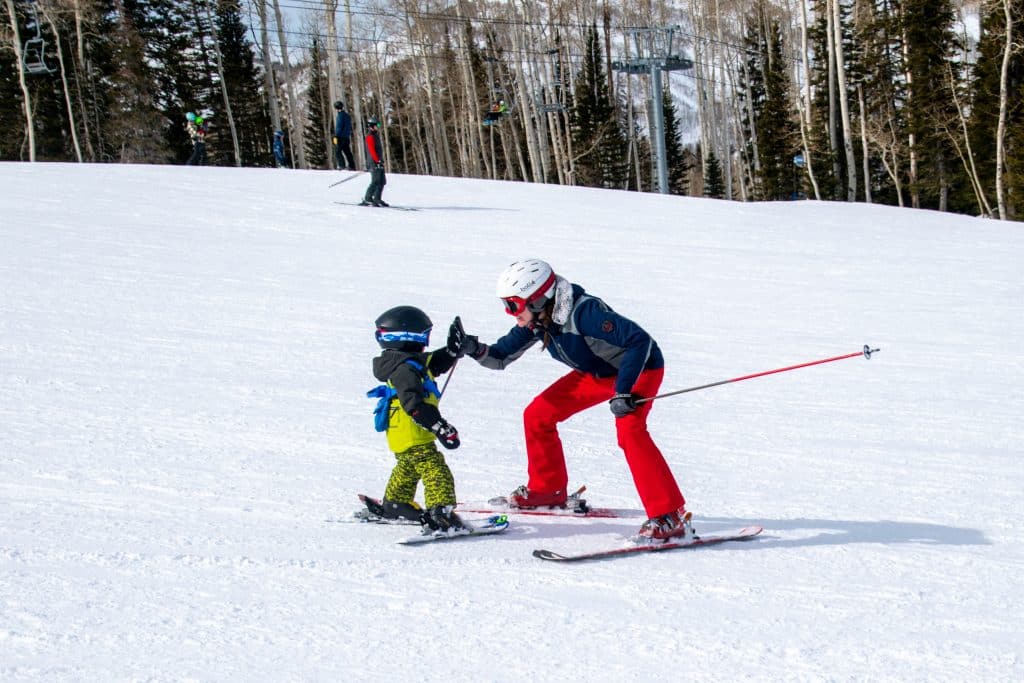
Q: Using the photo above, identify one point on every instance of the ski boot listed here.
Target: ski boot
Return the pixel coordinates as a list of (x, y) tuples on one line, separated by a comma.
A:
[(441, 520), (675, 526), (526, 499)]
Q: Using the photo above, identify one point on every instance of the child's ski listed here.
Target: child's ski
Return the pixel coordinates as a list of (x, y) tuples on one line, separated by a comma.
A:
[(741, 535), (374, 513), (492, 525)]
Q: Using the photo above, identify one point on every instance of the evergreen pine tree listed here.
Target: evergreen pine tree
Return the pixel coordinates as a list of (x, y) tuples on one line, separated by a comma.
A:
[(931, 44), (714, 184), (765, 81), (677, 161), (877, 70), (244, 86), (598, 140), (985, 106), (169, 32), (825, 137), (319, 117)]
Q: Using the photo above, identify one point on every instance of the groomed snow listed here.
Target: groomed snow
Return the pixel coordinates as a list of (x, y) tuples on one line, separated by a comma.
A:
[(183, 359)]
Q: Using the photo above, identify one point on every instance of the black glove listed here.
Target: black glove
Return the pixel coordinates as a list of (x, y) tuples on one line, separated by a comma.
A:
[(456, 338), (446, 433), (459, 343), (623, 404)]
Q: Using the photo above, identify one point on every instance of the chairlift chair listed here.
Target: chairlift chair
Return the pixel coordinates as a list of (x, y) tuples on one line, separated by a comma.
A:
[(34, 51), (33, 57), (544, 107)]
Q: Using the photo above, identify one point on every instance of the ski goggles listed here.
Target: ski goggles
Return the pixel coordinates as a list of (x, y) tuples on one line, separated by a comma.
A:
[(514, 305), (402, 336)]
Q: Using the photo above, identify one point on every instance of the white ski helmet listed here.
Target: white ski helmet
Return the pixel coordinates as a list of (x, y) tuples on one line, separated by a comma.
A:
[(526, 284)]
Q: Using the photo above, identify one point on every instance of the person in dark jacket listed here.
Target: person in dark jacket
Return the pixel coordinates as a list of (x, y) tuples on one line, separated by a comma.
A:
[(343, 158), (407, 410), (612, 359), (374, 164), (279, 157)]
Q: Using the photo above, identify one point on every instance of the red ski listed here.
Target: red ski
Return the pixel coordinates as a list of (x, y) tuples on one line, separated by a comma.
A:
[(741, 535)]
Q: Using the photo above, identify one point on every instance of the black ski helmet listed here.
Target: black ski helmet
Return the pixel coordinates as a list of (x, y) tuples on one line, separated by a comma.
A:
[(372, 122), (339, 105), (405, 328)]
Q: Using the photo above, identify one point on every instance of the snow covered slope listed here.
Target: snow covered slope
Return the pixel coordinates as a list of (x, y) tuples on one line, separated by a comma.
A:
[(183, 359)]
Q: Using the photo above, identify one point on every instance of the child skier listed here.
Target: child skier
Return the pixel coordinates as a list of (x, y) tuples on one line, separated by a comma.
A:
[(408, 412), (197, 129)]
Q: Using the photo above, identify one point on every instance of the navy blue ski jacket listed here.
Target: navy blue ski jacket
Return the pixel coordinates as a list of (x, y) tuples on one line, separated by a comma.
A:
[(343, 126), (595, 340)]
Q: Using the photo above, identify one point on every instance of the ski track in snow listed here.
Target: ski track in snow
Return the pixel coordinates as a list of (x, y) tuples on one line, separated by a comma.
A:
[(183, 360)]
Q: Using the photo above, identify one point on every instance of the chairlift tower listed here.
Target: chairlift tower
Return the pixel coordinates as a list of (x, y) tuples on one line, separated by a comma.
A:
[(655, 53)]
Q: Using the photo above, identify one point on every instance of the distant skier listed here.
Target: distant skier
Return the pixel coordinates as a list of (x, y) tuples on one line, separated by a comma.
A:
[(279, 157), (343, 158), (408, 411), (375, 164), (612, 359), (197, 128)]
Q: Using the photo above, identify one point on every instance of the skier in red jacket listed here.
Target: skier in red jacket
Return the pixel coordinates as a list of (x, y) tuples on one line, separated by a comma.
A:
[(375, 165)]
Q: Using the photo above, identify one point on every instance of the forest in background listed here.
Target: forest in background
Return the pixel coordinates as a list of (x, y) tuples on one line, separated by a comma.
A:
[(904, 102)]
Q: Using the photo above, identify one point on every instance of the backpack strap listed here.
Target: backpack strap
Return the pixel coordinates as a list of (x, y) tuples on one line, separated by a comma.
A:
[(385, 392)]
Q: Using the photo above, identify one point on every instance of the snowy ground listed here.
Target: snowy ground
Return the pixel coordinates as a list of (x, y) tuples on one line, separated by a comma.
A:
[(183, 359)]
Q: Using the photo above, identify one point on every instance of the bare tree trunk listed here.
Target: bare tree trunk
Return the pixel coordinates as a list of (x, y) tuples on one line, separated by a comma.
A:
[(915, 192), (331, 49), (26, 100), (223, 85), (833, 128), (473, 157), (844, 105), (864, 144), (268, 66), (967, 159), (803, 99), (355, 90), (81, 73), (1004, 97), (755, 162), (64, 82), (726, 155), (296, 132)]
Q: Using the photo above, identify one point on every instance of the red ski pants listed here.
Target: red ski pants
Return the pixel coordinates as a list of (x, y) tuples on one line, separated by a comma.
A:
[(578, 391)]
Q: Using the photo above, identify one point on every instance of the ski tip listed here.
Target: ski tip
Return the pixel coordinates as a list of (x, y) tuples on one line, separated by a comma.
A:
[(495, 521), (548, 555)]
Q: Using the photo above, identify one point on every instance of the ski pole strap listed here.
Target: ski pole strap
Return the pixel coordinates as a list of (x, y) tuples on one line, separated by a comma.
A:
[(866, 352)]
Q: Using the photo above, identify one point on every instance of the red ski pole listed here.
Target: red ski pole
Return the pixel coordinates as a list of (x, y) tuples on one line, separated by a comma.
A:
[(866, 352)]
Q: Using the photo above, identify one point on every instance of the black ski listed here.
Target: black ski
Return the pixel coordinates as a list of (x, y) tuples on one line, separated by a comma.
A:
[(371, 206)]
